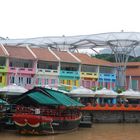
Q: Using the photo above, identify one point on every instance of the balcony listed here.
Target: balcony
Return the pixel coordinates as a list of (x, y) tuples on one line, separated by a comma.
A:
[(47, 72), (107, 77), (21, 70), (3, 69), (69, 73), (89, 75)]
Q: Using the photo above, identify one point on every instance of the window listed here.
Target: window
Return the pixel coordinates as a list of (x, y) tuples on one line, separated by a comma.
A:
[(0, 79), (28, 80), (26, 65), (75, 82), (68, 82), (12, 79), (46, 81), (39, 81), (10, 64), (53, 81), (20, 80)]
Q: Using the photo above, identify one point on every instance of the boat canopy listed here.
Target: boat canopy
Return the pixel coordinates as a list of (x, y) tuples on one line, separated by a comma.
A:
[(42, 99), (62, 98), (2, 102), (44, 96)]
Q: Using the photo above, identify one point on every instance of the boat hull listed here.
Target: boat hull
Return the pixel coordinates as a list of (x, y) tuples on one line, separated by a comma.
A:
[(33, 124)]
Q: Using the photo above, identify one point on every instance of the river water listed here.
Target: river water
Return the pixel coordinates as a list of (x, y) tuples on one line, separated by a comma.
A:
[(97, 132)]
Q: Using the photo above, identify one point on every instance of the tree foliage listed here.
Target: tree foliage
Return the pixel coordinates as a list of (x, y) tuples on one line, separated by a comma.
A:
[(111, 57)]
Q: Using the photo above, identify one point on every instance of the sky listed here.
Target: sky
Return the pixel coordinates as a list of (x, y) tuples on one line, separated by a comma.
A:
[(37, 18)]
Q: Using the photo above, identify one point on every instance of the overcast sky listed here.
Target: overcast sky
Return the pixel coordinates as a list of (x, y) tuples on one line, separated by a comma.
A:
[(34, 18)]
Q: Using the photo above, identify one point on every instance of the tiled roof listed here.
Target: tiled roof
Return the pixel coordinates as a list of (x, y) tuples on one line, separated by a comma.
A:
[(129, 64), (87, 60), (19, 52), (133, 72), (65, 57), (44, 54), (133, 64), (2, 52)]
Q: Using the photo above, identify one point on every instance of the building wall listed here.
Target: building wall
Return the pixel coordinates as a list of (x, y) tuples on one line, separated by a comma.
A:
[(25, 80), (116, 116), (135, 82), (2, 79), (44, 80), (69, 82)]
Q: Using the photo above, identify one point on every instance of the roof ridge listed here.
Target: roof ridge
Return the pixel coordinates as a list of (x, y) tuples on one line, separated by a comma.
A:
[(29, 49), (53, 53), (4, 50), (74, 56)]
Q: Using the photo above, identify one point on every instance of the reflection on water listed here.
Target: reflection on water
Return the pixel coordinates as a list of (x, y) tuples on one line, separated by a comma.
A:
[(97, 132)]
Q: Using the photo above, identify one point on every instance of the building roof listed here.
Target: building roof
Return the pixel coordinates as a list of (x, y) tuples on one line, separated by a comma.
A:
[(66, 57), (82, 41), (133, 72), (133, 69), (2, 52), (19, 52), (133, 63), (87, 60), (43, 54)]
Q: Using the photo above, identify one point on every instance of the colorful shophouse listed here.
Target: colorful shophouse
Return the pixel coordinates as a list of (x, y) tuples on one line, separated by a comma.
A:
[(89, 71), (107, 73), (47, 68), (3, 65), (69, 69), (133, 70), (21, 66)]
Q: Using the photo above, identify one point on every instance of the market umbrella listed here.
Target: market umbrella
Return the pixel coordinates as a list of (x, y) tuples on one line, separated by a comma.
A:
[(82, 92), (106, 93), (130, 94), (13, 90)]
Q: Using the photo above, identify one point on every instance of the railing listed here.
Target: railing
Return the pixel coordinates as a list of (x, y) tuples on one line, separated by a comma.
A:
[(111, 107), (69, 73), (3, 68), (89, 74), (21, 70), (105, 75), (55, 113), (47, 71)]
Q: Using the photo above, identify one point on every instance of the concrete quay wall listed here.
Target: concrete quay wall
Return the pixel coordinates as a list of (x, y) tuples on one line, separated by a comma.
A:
[(115, 116)]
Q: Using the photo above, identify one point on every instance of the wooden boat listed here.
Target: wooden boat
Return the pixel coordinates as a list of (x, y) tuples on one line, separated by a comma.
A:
[(46, 111)]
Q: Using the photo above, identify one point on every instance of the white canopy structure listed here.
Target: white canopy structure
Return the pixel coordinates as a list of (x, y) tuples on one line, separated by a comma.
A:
[(13, 90), (130, 94), (106, 93), (80, 41), (121, 44), (81, 92)]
